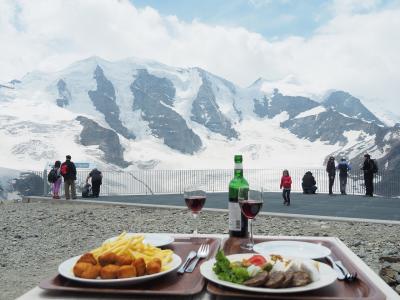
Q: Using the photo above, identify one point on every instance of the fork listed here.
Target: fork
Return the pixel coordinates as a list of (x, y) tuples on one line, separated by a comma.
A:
[(347, 275), (203, 251)]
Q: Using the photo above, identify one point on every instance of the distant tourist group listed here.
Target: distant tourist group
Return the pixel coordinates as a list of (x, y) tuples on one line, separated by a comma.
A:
[(67, 171), (308, 184)]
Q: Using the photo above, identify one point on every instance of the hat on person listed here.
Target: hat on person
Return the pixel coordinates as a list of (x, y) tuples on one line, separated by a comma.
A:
[(367, 155), (342, 159), (68, 157), (331, 158)]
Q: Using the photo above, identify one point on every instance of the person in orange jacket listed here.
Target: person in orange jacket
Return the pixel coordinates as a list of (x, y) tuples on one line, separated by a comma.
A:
[(286, 184)]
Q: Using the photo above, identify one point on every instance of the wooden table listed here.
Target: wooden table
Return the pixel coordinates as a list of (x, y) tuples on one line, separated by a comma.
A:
[(37, 293)]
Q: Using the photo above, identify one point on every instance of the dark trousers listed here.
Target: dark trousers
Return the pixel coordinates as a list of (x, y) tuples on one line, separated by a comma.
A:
[(369, 184), (343, 183), (286, 195), (309, 189), (96, 188), (331, 181)]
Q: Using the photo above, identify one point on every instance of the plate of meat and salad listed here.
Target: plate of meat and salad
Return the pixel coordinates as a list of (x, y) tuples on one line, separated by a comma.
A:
[(267, 274)]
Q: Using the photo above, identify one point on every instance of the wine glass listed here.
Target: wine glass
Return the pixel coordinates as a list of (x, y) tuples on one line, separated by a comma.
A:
[(251, 202), (195, 197)]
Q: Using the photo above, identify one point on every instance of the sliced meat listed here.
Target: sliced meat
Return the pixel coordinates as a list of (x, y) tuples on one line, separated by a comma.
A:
[(300, 278), (288, 279), (257, 280), (275, 280)]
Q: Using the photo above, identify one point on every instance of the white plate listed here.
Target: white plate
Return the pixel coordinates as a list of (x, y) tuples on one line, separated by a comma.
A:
[(292, 249), (327, 277), (65, 269), (155, 239)]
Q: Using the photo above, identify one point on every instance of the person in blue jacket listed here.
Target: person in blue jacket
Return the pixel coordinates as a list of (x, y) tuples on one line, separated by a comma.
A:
[(343, 167)]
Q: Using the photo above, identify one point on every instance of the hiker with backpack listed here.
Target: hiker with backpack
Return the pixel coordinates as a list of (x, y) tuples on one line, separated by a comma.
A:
[(96, 180), (54, 177), (344, 168), (68, 171), (369, 167)]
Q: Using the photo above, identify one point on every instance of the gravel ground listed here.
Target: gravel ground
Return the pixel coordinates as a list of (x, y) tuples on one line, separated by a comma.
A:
[(37, 237)]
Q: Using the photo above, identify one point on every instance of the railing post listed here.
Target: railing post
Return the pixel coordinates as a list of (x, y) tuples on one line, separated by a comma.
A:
[(45, 191)]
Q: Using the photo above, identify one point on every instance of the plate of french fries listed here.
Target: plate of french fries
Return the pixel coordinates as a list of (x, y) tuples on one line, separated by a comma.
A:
[(125, 259)]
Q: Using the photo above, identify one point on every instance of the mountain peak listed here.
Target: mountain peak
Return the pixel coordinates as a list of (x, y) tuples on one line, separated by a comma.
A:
[(343, 102)]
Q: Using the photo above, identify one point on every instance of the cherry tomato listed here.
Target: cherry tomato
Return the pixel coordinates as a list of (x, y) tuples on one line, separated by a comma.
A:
[(257, 260)]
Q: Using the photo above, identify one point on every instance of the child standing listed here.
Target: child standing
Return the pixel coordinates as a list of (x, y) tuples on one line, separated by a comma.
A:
[(57, 183), (286, 184)]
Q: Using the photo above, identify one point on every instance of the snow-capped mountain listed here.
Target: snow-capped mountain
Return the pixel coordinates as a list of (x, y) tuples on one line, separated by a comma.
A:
[(142, 114)]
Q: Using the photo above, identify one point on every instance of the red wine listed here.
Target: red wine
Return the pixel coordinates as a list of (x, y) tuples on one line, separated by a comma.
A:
[(195, 203), (250, 208)]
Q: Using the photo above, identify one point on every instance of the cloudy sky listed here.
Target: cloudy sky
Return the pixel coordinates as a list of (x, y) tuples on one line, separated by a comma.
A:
[(352, 45)]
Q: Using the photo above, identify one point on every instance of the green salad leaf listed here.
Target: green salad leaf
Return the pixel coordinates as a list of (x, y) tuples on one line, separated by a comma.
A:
[(229, 272)]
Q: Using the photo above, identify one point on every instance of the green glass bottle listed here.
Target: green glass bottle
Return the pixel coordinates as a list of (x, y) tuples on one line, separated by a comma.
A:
[(237, 221)]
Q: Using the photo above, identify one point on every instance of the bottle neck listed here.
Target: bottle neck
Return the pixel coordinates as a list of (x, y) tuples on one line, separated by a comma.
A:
[(238, 170)]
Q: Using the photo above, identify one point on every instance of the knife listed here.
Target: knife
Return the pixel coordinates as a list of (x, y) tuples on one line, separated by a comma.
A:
[(192, 254), (339, 273)]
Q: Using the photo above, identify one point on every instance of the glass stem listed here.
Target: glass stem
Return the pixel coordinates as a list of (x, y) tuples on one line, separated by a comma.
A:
[(251, 233), (195, 223)]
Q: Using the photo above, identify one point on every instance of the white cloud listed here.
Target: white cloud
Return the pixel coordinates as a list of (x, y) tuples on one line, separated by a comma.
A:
[(354, 52), (354, 6)]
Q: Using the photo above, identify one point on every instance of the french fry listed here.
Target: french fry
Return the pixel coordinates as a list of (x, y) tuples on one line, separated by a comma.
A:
[(133, 246)]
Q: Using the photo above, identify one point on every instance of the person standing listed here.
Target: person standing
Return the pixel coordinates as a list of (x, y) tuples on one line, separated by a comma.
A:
[(68, 171), (331, 169), (343, 168), (286, 184), (57, 183), (96, 180), (369, 167)]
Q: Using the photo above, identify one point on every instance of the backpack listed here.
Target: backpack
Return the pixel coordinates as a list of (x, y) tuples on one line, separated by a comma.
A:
[(52, 176), (343, 168), (64, 169), (374, 166), (96, 175)]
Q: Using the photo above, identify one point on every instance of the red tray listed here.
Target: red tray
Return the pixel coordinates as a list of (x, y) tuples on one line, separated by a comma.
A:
[(171, 284), (363, 288)]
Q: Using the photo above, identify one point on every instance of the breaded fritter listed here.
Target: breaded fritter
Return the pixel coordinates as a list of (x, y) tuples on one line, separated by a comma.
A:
[(123, 260), (140, 266), (108, 258), (109, 272), (89, 258), (153, 266), (86, 270), (126, 271)]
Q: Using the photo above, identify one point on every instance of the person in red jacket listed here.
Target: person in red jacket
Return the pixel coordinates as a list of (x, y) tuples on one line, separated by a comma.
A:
[(286, 184)]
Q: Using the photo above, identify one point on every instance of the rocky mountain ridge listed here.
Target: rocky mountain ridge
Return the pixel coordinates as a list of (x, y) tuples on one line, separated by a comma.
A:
[(135, 106)]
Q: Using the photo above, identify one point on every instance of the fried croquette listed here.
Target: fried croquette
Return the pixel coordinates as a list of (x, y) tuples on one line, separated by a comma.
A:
[(86, 270), (157, 260), (126, 271), (123, 260), (108, 258), (153, 266), (89, 258), (140, 266), (109, 272)]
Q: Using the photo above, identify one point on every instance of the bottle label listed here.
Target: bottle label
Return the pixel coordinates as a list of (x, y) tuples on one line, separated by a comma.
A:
[(235, 217), (238, 166)]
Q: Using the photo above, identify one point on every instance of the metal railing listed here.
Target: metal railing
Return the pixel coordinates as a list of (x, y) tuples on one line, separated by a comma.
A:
[(173, 181)]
